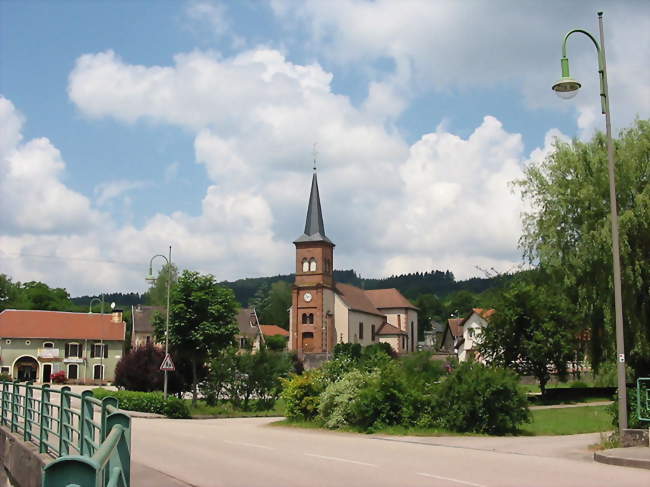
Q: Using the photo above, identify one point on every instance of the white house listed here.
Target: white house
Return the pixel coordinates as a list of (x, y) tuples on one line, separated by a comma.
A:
[(472, 328)]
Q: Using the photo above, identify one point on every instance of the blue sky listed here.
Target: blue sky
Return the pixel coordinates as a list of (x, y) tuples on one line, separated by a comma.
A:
[(132, 125)]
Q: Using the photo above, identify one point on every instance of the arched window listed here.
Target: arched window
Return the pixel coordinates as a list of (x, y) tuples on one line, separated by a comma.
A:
[(305, 265), (98, 372), (311, 318), (305, 318), (312, 264)]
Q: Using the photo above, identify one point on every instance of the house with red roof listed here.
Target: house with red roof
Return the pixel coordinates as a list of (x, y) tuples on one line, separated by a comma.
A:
[(36, 344), (472, 328), (324, 312)]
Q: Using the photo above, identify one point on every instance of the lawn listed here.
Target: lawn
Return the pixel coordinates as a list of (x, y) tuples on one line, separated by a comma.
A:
[(226, 410), (568, 421)]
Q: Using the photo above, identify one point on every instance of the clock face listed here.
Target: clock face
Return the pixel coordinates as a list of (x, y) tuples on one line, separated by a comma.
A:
[(307, 297)]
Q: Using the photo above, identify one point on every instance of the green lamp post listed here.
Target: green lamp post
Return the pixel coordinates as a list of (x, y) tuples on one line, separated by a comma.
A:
[(152, 278), (567, 87)]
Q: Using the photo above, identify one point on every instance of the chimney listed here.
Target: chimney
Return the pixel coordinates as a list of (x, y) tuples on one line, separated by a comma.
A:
[(116, 316)]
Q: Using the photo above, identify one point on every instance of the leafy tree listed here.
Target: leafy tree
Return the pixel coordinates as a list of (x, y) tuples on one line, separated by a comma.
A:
[(139, 370), (276, 343), (460, 303), (8, 292), (568, 233), (431, 308), (157, 294), (531, 331), (202, 320)]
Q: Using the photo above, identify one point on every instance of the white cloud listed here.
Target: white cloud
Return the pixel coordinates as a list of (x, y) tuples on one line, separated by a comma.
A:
[(110, 190)]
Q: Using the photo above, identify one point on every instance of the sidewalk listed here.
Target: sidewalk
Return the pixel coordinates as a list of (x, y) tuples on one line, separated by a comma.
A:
[(638, 456), (574, 405)]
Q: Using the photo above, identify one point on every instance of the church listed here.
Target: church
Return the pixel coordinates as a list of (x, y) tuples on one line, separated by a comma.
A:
[(324, 313)]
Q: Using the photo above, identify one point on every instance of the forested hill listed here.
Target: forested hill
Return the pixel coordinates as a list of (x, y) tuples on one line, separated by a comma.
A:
[(411, 285), (122, 299)]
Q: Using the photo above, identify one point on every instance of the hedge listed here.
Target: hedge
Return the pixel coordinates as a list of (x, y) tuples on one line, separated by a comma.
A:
[(146, 402)]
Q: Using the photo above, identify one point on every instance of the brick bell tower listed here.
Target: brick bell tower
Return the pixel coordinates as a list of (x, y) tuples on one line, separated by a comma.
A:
[(312, 310)]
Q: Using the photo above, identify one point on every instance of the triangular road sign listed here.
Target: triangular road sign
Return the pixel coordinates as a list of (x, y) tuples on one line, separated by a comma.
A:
[(167, 364)]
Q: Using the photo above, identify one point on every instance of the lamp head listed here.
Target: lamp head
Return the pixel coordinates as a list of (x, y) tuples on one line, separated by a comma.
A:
[(566, 87)]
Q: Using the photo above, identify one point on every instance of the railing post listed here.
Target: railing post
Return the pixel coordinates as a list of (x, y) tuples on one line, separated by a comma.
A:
[(5, 394), (29, 414), (85, 424), (15, 405), (45, 414), (74, 471), (123, 458), (106, 401), (65, 422)]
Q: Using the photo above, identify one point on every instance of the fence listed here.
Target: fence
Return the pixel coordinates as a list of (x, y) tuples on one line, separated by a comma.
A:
[(89, 441), (643, 398)]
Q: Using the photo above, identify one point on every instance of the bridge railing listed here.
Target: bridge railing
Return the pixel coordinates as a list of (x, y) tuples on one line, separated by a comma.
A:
[(643, 398), (89, 439)]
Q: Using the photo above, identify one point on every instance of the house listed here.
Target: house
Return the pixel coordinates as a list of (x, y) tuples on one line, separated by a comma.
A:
[(142, 332), (248, 336), (36, 344), (324, 312), (433, 337), (452, 335), (274, 330), (472, 327)]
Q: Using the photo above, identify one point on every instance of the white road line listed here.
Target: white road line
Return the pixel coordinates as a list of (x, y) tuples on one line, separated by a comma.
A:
[(341, 460), (465, 482), (252, 445)]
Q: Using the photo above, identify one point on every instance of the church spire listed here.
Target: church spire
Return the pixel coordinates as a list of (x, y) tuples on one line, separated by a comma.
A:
[(314, 227)]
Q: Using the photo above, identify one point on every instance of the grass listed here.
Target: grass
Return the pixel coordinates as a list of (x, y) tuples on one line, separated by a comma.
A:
[(568, 421), (225, 409)]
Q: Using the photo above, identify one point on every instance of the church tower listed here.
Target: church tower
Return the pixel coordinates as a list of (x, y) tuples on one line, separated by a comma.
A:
[(312, 309)]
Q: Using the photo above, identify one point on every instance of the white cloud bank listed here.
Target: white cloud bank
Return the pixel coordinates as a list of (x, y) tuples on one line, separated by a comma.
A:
[(442, 203)]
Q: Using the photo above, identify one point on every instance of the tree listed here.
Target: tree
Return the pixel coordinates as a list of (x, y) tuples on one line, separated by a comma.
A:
[(531, 331), (202, 320), (139, 370), (157, 294), (431, 308), (461, 303), (568, 234)]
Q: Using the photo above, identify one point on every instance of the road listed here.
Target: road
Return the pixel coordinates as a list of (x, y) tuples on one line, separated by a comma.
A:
[(248, 452)]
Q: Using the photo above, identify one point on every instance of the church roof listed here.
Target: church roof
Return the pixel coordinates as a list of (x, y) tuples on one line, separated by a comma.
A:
[(314, 226), (388, 298), (356, 299), (388, 329)]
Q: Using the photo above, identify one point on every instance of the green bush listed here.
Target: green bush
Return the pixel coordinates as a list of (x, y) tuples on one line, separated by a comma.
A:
[(633, 420), (351, 350), (146, 402), (579, 384), (5, 378), (480, 399), (336, 408), (277, 343), (301, 395), (421, 370)]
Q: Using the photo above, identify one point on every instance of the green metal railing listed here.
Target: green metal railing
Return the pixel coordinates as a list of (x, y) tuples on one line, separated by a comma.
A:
[(89, 439), (643, 398)]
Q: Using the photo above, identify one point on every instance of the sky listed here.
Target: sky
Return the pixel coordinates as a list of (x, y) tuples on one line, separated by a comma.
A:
[(130, 126)]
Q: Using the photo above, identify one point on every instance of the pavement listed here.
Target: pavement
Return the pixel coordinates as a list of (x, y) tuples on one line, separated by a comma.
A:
[(638, 457), (577, 405), (250, 452)]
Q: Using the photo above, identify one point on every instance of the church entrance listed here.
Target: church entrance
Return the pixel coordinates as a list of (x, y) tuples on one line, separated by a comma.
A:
[(308, 341), (26, 369)]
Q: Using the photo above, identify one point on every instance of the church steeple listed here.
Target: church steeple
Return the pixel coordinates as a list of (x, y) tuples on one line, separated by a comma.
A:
[(314, 227)]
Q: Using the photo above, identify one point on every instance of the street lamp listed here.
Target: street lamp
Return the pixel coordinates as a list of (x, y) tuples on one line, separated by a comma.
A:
[(567, 87), (90, 306), (152, 278)]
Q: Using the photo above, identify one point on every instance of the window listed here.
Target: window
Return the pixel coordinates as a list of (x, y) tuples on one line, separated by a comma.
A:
[(305, 318), (72, 350), (311, 318), (73, 371), (243, 342), (305, 265), (372, 332), (360, 331), (99, 350), (470, 332), (98, 372), (312, 265), (4, 370), (48, 345)]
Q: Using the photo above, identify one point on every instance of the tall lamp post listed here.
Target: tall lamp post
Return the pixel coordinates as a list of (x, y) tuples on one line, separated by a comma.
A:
[(152, 278), (566, 88)]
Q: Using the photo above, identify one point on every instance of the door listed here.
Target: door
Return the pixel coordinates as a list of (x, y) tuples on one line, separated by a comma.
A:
[(47, 372), (307, 341)]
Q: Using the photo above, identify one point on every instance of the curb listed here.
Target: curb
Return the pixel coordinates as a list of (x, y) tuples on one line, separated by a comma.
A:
[(621, 461)]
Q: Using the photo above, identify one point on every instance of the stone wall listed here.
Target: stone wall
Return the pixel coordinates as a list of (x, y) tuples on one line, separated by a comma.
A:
[(22, 465)]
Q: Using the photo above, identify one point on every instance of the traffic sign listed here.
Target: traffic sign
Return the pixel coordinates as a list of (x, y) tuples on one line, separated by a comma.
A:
[(167, 364)]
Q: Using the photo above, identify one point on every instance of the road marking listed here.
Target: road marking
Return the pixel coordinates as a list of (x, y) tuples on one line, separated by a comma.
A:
[(341, 460), (252, 445), (465, 482)]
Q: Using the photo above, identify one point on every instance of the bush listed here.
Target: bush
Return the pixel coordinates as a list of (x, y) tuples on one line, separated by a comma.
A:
[(350, 350), (58, 377), (147, 402), (579, 384), (5, 378), (277, 343), (480, 399), (301, 395), (421, 370), (336, 408), (633, 420), (139, 370)]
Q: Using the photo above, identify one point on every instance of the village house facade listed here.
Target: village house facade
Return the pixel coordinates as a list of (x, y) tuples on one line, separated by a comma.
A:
[(36, 344), (142, 332), (324, 313)]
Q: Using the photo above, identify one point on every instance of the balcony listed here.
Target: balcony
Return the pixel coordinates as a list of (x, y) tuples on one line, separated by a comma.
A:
[(48, 353)]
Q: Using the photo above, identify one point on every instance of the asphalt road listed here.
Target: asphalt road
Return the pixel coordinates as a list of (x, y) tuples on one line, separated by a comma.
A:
[(249, 453)]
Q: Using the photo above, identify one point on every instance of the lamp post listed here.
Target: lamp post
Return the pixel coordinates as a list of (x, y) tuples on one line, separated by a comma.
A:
[(151, 278), (566, 88), (90, 306)]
